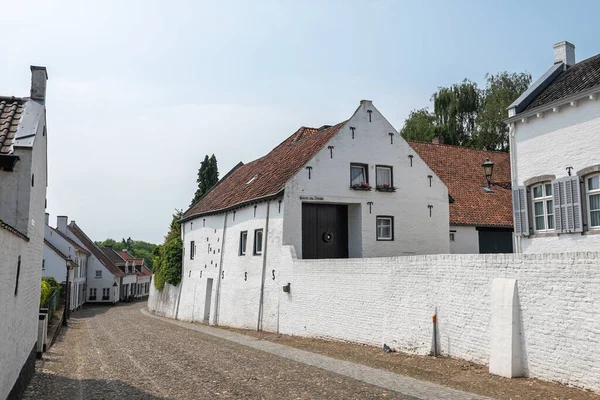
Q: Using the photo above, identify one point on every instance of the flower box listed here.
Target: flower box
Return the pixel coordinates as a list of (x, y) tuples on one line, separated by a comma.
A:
[(362, 186), (385, 188)]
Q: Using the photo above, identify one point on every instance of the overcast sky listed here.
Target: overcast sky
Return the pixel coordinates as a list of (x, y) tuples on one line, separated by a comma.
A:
[(140, 91)]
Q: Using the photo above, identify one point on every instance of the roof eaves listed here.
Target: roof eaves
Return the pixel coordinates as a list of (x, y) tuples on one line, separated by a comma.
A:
[(234, 206), (551, 105), (12, 230), (536, 88)]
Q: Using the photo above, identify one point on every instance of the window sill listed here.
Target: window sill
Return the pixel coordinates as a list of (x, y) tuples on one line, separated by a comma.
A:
[(92, 298), (106, 298), (364, 189), (388, 189)]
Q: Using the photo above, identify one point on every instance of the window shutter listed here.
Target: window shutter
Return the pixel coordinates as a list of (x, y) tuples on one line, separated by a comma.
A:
[(520, 211), (558, 189), (570, 204)]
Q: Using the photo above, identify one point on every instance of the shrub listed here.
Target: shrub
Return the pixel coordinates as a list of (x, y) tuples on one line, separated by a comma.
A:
[(52, 282), (45, 293)]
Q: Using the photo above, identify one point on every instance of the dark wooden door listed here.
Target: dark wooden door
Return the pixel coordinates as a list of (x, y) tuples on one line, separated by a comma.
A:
[(324, 231), (495, 240)]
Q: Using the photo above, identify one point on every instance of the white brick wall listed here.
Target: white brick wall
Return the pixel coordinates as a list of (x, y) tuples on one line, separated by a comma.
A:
[(547, 146), (391, 300)]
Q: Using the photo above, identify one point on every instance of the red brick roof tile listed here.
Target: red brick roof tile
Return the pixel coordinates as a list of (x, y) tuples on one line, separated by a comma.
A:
[(265, 176), (79, 234), (460, 170)]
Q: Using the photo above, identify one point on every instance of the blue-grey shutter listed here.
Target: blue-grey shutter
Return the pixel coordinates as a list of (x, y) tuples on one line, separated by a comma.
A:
[(558, 195), (570, 204), (520, 211)]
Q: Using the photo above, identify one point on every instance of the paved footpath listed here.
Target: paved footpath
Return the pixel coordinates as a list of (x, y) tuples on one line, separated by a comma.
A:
[(124, 352)]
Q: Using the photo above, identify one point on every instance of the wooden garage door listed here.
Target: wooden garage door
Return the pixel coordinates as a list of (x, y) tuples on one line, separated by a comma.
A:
[(324, 231)]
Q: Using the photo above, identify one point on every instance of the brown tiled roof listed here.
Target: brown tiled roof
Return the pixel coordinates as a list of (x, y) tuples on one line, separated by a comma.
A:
[(113, 256), (460, 170), (577, 78), (11, 109), (60, 253), (126, 256), (87, 242), (145, 272), (265, 176), (72, 242)]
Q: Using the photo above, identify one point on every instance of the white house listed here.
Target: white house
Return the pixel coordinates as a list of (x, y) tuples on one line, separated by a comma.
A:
[(481, 218), (60, 251), (555, 157), (23, 179), (351, 190), (142, 285), (103, 277)]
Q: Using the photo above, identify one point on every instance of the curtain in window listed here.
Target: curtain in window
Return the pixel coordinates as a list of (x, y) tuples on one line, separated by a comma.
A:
[(384, 228), (384, 176), (357, 175)]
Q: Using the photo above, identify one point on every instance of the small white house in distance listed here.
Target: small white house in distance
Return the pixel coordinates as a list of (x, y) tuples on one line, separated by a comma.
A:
[(555, 155), (103, 277), (351, 190), (60, 251)]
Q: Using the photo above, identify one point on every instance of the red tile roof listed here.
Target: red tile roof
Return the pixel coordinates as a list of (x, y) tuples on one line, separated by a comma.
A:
[(72, 242), (79, 234), (113, 256), (126, 256), (266, 176), (460, 170)]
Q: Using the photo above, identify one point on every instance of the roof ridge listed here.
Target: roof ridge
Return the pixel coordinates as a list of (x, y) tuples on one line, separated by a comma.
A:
[(457, 146)]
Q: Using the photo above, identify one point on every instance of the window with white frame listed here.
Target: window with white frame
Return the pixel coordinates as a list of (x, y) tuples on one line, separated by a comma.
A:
[(384, 176), (358, 175), (93, 294), (98, 273), (258, 242), (452, 236), (385, 228), (543, 207), (192, 249), (593, 200), (243, 242), (106, 294)]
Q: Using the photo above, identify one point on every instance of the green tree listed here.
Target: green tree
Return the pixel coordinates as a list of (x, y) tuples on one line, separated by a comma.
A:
[(208, 176), (168, 256), (420, 125), (455, 109), (137, 248), (501, 90)]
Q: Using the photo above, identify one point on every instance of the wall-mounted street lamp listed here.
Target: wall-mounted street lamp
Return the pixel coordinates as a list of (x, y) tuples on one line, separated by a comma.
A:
[(488, 170)]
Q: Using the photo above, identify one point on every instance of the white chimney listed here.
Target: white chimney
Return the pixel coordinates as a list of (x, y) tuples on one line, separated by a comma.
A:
[(564, 52), (61, 223), (39, 76), (47, 219)]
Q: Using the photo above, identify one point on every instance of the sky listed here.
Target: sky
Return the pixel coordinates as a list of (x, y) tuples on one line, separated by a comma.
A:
[(139, 90)]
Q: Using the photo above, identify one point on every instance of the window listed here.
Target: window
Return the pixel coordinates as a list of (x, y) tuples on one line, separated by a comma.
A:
[(192, 249), (384, 176), (93, 294), (452, 236), (593, 199), (106, 294), (385, 228), (243, 241), (543, 207), (358, 174), (258, 245), (98, 273)]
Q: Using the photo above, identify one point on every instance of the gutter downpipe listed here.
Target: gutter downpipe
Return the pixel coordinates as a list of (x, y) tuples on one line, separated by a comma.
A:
[(218, 295), (513, 167), (264, 270)]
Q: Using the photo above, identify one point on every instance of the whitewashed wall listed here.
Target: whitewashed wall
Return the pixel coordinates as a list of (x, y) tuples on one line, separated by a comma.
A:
[(547, 146), (415, 232), (391, 300), (466, 240)]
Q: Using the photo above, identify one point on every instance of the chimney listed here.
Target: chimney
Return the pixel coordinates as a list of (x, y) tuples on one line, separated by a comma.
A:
[(61, 223), (47, 219), (564, 52), (437, 140), (39, 76)]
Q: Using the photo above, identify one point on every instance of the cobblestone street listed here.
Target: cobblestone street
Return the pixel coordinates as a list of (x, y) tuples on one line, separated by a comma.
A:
[(121, 353)]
